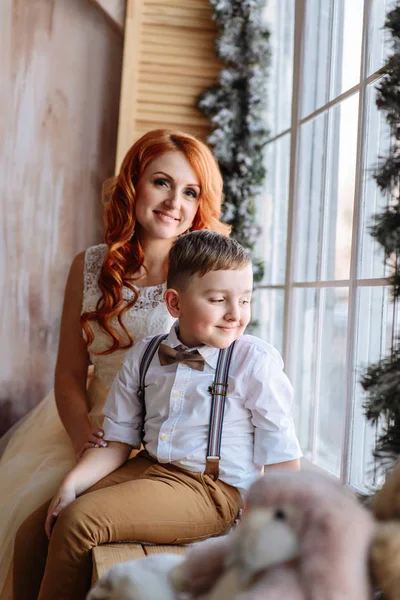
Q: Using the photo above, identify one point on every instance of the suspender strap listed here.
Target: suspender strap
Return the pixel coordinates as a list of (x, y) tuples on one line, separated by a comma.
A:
[(147, 357), (219, 392)]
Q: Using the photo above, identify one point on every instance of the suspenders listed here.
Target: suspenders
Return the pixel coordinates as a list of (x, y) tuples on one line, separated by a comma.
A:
[(147, 357), (218, 390)]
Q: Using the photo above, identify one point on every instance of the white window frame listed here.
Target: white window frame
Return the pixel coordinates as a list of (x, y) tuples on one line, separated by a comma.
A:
[(353, 283)]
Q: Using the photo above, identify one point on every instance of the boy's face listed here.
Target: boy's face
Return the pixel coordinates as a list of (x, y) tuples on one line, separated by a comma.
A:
[(214, 309)]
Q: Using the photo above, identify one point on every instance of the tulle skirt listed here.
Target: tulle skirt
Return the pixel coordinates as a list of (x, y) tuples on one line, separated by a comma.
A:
[(37, 455)]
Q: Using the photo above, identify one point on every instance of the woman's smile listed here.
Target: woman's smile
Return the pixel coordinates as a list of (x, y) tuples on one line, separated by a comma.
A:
[(166, 217)]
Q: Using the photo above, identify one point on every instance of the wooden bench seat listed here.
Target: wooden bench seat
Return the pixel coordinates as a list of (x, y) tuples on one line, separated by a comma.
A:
[(108, 555)]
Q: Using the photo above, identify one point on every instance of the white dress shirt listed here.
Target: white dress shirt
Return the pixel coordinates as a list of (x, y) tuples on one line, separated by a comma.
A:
[(258, 426)]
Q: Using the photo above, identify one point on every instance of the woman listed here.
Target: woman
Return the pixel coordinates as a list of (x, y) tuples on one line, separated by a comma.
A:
[(169, 183)]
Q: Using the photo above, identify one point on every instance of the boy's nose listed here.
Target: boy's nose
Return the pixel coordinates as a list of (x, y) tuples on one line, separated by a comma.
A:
[(233, 313)]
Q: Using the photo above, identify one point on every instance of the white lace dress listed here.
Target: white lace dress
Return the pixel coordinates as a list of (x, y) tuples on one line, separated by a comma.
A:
[(39, 453)]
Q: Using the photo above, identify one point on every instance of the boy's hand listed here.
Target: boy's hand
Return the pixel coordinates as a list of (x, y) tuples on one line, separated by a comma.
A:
[(64, 496), (94, 466)]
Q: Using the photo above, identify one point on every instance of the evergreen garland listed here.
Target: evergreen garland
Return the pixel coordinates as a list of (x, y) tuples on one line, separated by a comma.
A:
[(382, 380), (237, 110)]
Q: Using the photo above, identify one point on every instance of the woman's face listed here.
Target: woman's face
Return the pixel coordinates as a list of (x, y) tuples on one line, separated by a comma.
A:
[(168, 196)]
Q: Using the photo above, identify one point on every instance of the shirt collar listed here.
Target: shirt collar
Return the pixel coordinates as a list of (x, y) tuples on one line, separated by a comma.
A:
[(209, 353)]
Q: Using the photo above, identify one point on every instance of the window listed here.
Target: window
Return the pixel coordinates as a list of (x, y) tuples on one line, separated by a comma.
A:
[(324, 301)]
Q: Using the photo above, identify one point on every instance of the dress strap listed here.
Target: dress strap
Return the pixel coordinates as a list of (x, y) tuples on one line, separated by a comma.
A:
[(94, 260), (219, 392)]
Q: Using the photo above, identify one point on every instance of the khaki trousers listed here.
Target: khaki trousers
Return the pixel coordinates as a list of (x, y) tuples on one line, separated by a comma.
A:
[(142, 501)]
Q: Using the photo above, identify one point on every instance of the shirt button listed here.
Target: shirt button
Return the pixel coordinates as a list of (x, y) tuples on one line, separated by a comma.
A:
[(176, 394), (164, 437)]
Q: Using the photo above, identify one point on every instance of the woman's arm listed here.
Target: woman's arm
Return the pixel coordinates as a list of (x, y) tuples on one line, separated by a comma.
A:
[(94, 465), (72, 366)]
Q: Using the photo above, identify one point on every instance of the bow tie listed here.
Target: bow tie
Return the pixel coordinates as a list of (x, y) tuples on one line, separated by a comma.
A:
[(169, 355)]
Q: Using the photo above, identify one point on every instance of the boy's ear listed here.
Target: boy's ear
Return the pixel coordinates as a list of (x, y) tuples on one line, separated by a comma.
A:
[(171, 298)]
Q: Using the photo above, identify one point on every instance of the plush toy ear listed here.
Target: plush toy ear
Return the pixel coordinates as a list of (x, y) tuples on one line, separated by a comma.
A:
[(227, 586), (203, 565)]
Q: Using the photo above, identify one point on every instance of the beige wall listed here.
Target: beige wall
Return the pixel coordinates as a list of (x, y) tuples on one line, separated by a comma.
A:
[(60, 65)]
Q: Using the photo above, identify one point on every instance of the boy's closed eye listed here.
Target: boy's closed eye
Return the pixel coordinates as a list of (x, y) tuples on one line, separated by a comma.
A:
[(244, 302)]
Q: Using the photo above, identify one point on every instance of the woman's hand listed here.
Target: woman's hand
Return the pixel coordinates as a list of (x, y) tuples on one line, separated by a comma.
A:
[(64, 496), (92, 438)]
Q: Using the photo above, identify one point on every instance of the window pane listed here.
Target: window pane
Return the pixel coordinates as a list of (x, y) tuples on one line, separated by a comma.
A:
[(317, 42), (377, 51), (347, 44), (280, 20), (324, 215), (303, 352), (340, 182), (272, 212), (332, 380), (309, 213), (377, 142), (267, 315), (332, 50), (374, 338)]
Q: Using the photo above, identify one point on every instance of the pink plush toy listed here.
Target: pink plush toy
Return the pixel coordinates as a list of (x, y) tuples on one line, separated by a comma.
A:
[(303, 537)]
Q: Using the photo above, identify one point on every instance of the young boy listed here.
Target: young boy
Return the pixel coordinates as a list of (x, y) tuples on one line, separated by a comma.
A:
[(170, 493)]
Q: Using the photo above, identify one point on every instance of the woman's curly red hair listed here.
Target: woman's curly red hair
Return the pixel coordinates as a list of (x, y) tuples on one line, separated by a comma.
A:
[(125, 255)]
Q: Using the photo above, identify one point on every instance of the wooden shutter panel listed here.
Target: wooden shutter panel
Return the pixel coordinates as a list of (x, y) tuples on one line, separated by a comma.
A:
[(169, 59)]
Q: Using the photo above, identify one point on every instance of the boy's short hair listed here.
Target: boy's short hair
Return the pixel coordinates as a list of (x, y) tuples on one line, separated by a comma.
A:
[(199, 252)]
